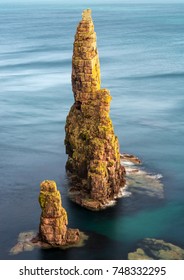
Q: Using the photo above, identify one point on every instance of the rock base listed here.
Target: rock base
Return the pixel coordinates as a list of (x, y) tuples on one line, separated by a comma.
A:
[(28, 241), (138, 181), (84, 200)]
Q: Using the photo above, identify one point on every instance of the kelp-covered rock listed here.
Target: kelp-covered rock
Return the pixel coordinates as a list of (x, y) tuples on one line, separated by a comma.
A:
[(53, 221), (155, 249), (92, 147)]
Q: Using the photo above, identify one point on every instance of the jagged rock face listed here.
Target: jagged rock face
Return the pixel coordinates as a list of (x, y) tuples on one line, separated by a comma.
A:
[(91, 145), (54, 220)]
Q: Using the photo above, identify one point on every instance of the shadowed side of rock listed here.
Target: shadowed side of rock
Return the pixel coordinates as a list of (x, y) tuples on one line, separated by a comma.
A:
[(53, 221), (92, 147)]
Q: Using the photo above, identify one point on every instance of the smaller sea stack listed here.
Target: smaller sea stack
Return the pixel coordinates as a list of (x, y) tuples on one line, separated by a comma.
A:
[(53, 221)]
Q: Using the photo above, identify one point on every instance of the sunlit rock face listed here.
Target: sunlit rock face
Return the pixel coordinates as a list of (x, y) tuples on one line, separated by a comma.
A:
[(92, 147)]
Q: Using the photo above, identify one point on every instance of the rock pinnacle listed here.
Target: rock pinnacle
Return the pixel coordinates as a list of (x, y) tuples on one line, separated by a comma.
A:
[(93, 164)]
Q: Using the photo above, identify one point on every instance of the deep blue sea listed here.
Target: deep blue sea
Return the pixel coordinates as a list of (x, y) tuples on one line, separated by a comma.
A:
[(141, 49)]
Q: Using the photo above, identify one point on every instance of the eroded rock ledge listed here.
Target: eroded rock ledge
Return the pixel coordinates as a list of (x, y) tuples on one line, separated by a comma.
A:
[(93, 149)]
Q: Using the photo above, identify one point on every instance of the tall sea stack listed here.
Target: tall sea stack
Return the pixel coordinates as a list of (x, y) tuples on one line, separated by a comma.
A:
[(92, 147)]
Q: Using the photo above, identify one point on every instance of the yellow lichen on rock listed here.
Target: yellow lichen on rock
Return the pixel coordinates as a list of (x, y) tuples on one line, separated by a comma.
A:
[(86, 14), (90, 140)]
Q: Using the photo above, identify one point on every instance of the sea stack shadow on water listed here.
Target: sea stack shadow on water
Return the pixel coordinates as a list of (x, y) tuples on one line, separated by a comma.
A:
[(93, 165)]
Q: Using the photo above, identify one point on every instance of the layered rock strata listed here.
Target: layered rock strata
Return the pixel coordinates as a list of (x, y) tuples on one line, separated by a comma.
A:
[(53, 221), (92, 147)]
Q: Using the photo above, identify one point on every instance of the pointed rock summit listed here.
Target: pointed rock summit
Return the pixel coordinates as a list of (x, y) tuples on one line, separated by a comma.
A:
[(92, 147)]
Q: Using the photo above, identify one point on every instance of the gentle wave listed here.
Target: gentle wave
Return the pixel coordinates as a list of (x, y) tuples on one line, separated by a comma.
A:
[(124, 192), (156, 76), (36, 64), (35, 82), (29, 50)]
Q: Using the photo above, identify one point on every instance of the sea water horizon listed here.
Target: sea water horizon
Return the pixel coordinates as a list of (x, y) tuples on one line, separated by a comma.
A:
[(142, 64)]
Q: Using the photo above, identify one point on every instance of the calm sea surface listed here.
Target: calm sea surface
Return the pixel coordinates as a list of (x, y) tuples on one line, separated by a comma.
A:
[(141, 50)]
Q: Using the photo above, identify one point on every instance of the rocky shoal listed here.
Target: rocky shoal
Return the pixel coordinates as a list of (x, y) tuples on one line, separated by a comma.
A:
[(155, 249)]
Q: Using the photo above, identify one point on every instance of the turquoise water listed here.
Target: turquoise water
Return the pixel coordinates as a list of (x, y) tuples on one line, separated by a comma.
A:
[(142, 63)]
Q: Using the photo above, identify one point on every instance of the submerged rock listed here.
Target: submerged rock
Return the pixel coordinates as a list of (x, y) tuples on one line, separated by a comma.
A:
[(155, 249), (53, 221), (26, 242), (92, 147), (139, 181)]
